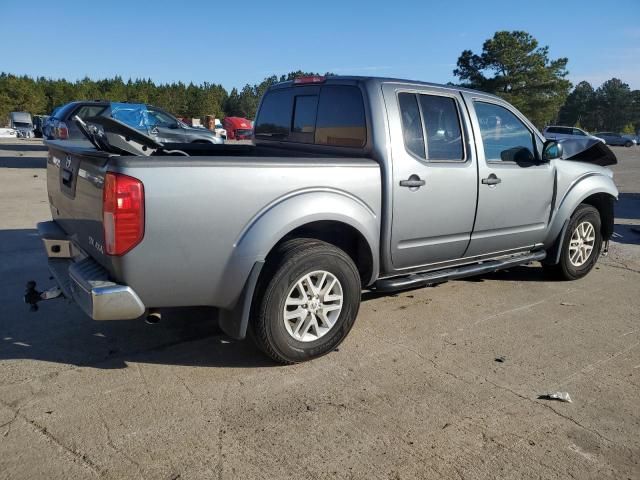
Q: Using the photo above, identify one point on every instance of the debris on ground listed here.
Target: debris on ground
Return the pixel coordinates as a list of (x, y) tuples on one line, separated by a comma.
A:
[(500, 359), (568, 304), (560, 396)]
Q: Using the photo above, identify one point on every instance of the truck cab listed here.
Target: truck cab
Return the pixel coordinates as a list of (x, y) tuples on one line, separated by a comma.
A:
[(238, 128), (22, 123)]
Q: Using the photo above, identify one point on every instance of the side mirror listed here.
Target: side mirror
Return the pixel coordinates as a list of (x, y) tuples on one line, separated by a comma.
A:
[(551, 151), (174, 126)]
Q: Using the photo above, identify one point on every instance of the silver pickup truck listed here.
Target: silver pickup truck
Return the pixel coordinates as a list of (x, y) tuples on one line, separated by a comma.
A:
[(352, 183)]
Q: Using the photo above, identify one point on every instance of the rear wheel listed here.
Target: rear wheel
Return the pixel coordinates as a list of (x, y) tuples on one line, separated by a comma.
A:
[(628, 144), (307, 301), (581, 245)]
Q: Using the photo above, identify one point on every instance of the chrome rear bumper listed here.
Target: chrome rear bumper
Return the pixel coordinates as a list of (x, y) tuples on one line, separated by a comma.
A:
[(85, 281)]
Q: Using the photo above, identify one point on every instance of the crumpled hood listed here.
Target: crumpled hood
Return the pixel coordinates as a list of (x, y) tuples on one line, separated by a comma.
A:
[(589, 150)]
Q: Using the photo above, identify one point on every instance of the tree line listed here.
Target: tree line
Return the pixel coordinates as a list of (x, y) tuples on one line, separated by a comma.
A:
[(611, 107), (511, 65), (41, 95)]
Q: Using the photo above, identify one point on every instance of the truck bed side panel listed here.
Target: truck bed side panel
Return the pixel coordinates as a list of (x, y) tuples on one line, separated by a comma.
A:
[(199, 213)]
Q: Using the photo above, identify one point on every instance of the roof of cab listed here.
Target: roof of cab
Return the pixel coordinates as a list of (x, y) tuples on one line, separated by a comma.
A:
[(382, 80)]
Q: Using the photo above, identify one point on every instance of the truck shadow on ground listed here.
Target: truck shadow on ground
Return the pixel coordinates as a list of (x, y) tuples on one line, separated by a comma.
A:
[(60, 332), (627, 227), (628, 206), (27, 146), (182, 340), (627, 234), (23, 162)]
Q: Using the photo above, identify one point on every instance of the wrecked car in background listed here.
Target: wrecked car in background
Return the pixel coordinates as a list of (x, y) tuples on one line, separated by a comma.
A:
[(150, 120), (8, 133)]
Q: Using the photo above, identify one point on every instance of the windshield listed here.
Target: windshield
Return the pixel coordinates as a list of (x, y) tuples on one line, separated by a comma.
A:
[(21, 124)]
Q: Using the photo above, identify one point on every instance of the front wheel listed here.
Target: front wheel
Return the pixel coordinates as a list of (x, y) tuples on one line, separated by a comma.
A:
[(306, 302), (581, 245), (628, 144)]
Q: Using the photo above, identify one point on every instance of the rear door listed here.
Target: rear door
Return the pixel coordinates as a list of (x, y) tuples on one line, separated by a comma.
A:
[(515, 188), (434, 175)]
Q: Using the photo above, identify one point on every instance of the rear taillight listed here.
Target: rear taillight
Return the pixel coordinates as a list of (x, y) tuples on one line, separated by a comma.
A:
[(63, 131), (122, 213)]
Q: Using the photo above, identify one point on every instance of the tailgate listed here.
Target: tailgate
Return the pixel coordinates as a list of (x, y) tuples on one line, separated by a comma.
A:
[(75, 180)]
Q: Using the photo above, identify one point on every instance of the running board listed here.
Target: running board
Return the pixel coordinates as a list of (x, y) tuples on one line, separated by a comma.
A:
[(416, 280)]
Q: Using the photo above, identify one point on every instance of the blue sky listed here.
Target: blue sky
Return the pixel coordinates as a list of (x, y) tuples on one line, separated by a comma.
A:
[(234, 43)]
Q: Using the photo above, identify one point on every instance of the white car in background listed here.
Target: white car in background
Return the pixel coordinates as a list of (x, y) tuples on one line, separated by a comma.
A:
[(8, 133), (556, 132)]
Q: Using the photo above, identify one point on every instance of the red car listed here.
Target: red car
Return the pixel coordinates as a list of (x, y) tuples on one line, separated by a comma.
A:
[(238, 128)]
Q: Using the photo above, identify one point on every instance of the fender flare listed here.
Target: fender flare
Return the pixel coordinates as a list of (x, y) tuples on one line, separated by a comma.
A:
[(585, 186), (274, 222)]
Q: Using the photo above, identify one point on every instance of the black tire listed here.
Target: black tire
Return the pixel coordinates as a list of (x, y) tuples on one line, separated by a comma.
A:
[(289, 263), (565, 269), (628, 144)]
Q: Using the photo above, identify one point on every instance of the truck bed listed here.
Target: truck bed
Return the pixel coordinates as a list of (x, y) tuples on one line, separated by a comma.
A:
[(206, 214)]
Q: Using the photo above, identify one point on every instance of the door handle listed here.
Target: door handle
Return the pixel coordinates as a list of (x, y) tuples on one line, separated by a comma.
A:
[(413, 181), (491, 180)]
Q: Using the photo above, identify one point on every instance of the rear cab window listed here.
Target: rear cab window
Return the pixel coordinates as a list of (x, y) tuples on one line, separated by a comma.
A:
[(329, 115), (274, 119)]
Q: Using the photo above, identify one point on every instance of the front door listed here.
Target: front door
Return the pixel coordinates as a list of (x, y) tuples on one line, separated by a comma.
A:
[(515, 187), (434, 176), (164, 128)]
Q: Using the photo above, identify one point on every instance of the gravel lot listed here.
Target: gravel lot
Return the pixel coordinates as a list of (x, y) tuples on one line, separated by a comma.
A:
[(416, 390)]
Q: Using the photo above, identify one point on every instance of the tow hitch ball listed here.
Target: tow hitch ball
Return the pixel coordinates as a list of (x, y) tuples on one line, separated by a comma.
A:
[(33, 296)]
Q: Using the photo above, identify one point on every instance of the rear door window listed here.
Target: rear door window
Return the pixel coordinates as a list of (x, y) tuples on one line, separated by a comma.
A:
[(431, 127), (88, 111), (411, 124), (442, 128)]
